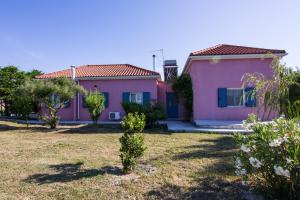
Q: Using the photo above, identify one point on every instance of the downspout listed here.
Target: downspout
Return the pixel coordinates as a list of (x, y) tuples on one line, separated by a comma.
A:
[(78, 106)]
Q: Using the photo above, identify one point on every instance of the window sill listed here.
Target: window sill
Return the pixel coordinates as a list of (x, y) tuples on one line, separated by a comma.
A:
[(235, 106)]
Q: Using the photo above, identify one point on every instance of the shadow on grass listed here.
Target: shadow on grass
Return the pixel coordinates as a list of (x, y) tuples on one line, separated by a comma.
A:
[(220, 147), (94, 129), (209, 188), (218, 154), (210, 178), (74, 129), (91, 129), (70, 172), (31, 128), (68, 129)]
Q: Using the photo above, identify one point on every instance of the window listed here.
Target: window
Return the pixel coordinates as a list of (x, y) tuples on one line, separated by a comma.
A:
[(136, 98), (235, 97)]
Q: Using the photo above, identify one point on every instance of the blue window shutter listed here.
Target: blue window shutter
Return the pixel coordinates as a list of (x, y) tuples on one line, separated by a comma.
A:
[(222, 97), (250, 97), (83, 102), (146, 98), (106, 99), (67, 104), (126, 96)]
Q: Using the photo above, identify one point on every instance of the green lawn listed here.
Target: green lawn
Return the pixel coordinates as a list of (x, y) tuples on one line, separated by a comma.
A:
[(82, 162)]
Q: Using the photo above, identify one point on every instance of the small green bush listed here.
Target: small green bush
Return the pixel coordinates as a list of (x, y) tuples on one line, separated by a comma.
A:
[(293, 110), (270, 158), (252, 118), (133, 107), (132, 142), (95, 104), (153, 112)]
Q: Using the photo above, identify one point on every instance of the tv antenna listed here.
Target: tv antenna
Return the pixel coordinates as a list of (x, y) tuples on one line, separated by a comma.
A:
[(162, 54)]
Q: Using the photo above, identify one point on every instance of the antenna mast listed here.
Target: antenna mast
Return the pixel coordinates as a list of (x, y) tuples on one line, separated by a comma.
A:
[(162, 54)]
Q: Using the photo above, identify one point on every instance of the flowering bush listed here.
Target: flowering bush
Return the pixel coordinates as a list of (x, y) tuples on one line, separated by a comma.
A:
[(270, 158)]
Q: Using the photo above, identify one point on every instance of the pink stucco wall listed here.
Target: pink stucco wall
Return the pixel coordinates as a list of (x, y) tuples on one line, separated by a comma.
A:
[(68, 114), (208, 76), (115, 88), (162, 89)]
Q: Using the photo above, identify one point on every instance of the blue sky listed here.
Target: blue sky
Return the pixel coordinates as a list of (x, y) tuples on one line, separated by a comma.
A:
[(54, 34)]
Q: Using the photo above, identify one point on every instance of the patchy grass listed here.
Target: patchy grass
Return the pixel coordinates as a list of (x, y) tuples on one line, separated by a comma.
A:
[(78, 162)]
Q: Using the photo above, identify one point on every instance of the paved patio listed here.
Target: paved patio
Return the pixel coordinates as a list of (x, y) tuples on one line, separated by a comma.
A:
[(210, 127)]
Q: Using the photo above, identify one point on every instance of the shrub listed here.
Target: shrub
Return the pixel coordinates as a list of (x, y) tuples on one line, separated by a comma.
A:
[(153, 112), (252, 118), (133, 107), (95, 104), (24, 102), (270, 158), (293, 110), (132, 142), (183, 87), (294, 90)]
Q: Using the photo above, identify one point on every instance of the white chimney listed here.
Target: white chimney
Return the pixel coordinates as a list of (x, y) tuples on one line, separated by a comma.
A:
[(73, 72), (154, 61)]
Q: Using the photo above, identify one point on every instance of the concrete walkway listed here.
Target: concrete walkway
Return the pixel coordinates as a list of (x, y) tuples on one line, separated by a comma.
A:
[(179, 126), (219, 124)]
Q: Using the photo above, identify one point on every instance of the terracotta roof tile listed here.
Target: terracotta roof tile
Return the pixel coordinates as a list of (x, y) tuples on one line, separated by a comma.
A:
[(113, 70), (225, 49)]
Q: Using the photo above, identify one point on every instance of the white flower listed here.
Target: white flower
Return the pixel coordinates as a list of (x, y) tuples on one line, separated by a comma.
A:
[(282, 117), (255, 162), (285, 137), (238, 163), (276, 142), (244, 182), (241, 172), (245, 149), (281, 172), (288, 160), (246, 125)]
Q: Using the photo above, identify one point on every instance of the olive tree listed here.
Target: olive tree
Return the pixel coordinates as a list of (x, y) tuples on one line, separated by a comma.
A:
[(53, 95), (11, 78), (24, 99), (95, 104)]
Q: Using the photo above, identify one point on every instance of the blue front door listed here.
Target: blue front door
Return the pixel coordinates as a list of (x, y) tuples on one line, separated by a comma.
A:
[(172, 105)]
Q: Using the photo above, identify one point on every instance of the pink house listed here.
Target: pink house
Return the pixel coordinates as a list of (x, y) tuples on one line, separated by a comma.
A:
[(216, 74), (120, 82)]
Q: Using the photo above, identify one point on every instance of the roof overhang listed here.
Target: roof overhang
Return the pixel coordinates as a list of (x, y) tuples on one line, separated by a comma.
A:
[(157, 77), (118, 77), (228, 57)]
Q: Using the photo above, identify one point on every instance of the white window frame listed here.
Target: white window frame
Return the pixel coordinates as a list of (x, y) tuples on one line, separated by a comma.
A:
[(244, 98), (137, 99)]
